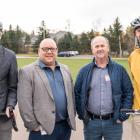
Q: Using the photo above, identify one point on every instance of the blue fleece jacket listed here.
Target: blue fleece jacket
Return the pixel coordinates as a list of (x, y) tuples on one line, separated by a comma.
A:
[(122, 90)]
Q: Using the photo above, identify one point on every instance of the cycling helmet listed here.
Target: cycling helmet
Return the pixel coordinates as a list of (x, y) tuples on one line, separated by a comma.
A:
[(135, 23)]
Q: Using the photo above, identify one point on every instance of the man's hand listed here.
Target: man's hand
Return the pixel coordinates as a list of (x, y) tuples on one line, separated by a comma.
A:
[(7, 111), (10, 115), (37, 129), (118, 121)]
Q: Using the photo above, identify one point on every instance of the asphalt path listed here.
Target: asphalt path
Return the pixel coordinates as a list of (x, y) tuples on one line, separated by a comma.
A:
[(22, 134)]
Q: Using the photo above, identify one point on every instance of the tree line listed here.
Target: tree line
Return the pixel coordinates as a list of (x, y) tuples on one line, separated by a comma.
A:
[(121, 41)]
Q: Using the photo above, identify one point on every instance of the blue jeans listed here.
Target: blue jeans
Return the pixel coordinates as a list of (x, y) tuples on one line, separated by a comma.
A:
[(97, 129), (62, 131)]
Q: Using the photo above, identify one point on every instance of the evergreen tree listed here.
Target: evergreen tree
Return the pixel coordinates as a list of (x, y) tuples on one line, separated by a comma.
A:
[(84, 43), (13, 39), (65, 43), (129, 39), (43, 33), (75, 43), (114, 35)]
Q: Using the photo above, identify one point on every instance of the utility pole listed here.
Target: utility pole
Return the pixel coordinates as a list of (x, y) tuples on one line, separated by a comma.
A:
[(1, 28)]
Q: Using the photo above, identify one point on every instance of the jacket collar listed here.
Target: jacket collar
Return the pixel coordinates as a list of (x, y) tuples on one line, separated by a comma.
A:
[(110, 62), (43, 65)]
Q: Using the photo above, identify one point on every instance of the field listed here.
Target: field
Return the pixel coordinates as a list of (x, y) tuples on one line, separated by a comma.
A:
[(74, 64)]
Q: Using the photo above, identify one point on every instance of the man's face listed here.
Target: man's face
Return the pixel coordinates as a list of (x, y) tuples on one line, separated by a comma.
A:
[(100, 48), (48, 52), (137, 34)]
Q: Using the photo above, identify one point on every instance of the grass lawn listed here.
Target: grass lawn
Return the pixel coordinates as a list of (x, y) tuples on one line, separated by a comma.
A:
[(74, 64), (28, 55)]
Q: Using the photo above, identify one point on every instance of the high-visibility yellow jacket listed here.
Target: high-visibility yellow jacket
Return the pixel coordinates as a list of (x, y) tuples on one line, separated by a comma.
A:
[(134, 62)]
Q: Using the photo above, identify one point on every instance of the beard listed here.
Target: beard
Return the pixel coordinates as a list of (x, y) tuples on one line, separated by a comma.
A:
[(137, 42)]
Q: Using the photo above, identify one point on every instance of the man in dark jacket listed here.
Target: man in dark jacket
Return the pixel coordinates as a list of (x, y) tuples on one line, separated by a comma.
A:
[(8, 90), (102, 88)]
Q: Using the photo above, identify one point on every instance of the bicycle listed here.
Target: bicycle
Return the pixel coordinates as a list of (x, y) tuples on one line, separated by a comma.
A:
[(131, 111)]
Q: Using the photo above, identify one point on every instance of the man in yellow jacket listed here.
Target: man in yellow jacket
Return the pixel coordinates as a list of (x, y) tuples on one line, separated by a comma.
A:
[(134, 62)]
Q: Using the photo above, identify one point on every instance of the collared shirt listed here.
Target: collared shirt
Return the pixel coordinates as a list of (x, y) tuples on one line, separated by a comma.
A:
[(58, 89), (100, 94)]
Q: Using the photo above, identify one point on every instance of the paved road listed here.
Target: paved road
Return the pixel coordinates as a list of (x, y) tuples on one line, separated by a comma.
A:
[(22, 134)]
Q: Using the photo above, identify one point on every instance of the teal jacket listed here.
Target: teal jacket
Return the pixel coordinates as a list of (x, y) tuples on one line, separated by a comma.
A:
[(122, 90)]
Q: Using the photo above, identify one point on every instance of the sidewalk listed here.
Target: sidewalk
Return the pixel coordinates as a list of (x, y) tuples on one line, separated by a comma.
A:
[(22, 134)]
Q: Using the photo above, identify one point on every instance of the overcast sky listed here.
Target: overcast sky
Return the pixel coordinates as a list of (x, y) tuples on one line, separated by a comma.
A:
[(80, 15)]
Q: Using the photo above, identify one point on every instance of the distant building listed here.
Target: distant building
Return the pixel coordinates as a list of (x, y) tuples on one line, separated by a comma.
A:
[(58, 35), (33, 38)]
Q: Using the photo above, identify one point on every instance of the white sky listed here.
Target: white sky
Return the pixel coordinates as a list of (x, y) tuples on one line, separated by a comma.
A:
[(83, 15)]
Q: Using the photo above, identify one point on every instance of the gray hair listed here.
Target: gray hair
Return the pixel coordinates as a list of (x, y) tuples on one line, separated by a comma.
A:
[(100, 37)]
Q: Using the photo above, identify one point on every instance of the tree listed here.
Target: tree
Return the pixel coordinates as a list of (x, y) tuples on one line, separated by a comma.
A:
[(114, 35), (91, 34), (19, 39), (84, 43), (43, 33), (75, 43), (13, 39), (129, 39), (66, 43), (117, 36)]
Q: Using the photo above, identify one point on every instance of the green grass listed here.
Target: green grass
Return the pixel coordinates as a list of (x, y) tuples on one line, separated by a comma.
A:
[(73, 64), (28, 55), (24, 61)]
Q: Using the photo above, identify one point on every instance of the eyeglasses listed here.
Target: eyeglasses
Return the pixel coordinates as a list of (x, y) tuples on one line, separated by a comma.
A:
[(47, 49)]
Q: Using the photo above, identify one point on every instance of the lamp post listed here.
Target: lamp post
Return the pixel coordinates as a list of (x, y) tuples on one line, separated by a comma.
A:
[(1, 27)]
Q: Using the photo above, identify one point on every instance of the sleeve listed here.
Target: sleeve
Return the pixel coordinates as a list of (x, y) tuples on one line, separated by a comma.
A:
[(25, 100), (77, 91), (127, 96), (12, 82)]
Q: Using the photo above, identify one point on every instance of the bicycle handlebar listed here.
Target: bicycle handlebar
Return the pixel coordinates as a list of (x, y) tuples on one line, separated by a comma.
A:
[(131, 111)]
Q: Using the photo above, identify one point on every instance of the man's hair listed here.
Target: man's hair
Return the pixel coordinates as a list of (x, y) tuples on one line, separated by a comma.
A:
[(102, 37), (47, 40)]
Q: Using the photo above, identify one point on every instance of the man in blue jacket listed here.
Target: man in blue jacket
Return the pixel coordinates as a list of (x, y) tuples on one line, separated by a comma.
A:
[(102, 89)]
